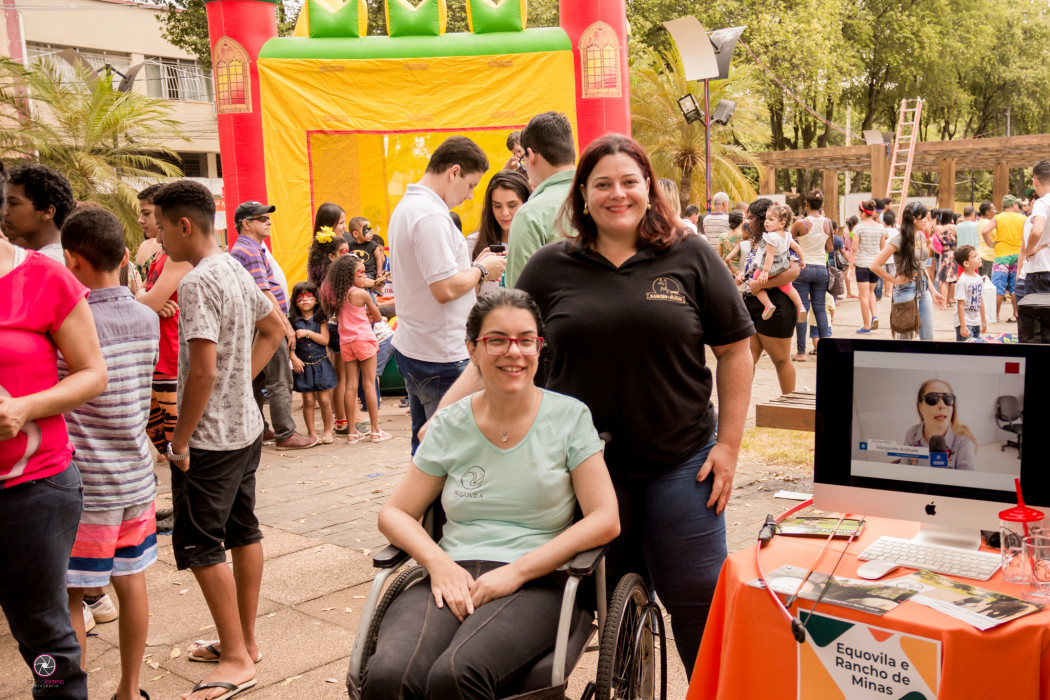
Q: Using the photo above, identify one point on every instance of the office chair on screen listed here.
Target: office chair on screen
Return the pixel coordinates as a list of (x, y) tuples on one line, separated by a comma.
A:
[(1008, 415)]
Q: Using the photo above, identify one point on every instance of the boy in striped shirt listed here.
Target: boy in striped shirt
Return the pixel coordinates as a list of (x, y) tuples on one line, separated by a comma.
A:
[(117, 536)]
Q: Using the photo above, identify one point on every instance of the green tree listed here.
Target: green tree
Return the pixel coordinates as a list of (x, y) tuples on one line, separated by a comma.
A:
[(184, 23), (108, 143), (677, 147)]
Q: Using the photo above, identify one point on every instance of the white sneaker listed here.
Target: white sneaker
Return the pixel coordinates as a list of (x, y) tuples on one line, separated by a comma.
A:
[(89, 619), (103, 610)]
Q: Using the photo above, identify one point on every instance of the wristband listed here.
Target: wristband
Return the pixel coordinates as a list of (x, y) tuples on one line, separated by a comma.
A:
[(484, 272), (177, 458)]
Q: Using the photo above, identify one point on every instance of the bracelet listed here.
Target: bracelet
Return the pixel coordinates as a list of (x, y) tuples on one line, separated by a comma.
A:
[(484, 272), (177, 458)]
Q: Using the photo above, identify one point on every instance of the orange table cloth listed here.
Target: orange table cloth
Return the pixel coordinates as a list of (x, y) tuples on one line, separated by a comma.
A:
[(748, 650)]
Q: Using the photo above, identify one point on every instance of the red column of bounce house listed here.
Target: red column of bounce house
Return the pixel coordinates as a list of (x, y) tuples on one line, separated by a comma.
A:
[(598, 31), (237, 29)]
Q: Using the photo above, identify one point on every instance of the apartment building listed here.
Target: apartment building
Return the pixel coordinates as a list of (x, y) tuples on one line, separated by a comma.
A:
[(126, 36)]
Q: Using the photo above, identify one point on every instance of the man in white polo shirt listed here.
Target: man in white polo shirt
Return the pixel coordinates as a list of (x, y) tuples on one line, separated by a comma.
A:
[(434, 279)]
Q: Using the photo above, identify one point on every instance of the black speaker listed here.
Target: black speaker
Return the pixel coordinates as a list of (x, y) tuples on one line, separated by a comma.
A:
[(1033, 319)]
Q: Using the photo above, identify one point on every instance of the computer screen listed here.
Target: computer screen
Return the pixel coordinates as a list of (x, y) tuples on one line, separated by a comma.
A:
[(928, 431)]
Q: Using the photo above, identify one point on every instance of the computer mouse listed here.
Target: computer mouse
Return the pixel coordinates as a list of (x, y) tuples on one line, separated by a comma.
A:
[(873, 570)]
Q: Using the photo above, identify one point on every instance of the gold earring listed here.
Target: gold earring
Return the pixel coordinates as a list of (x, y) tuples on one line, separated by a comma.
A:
[(586, 211), (648, 205)]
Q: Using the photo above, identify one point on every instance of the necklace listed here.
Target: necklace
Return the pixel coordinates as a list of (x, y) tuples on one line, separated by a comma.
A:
[(505, 435)]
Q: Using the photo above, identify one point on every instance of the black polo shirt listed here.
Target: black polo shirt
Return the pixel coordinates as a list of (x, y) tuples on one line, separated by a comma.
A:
[(629, 343)]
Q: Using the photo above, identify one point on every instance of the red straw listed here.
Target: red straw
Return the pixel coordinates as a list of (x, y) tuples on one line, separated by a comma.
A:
[(1020, 504)]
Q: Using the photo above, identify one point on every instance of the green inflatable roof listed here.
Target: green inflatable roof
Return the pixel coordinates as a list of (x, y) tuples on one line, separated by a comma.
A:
[(458, 44)]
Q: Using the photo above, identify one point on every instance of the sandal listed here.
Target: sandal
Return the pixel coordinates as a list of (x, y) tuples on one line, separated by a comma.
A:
[(233, 688), (813, 352), (768, 312), (327, 440), (193, 652), (142, 693), (380, 436), (354, 438)]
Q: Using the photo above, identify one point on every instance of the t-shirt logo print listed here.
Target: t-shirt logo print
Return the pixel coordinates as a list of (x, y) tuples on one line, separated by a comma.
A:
[(33, 439), (473, 478), (362, 254), (666, 289)]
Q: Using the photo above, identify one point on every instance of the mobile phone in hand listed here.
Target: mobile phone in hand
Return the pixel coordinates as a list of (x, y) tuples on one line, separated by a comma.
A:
[(498, 248)]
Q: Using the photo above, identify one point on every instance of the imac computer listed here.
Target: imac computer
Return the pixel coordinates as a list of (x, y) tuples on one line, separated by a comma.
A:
[(932, 432)]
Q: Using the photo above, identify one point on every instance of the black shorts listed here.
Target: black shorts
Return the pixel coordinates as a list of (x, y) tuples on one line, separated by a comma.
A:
[(864, 274), (214, 505)]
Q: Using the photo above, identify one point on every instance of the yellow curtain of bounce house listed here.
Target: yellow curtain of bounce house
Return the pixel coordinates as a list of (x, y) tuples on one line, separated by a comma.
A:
[(356, 132)]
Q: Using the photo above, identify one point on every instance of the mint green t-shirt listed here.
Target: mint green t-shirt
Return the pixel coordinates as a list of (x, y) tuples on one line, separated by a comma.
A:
[(504, 503)]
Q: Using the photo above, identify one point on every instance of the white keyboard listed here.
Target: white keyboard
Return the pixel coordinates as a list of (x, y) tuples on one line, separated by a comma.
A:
[(934, 557)]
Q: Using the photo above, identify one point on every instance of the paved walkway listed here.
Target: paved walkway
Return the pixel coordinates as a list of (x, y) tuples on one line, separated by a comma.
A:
[(318, 508)]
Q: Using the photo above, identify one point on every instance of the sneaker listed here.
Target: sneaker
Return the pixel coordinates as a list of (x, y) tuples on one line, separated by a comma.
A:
[(403, 403), (864, 330), (341, 428), (103, 610), (268, 437), (874, 323), (89, 619), (295, 441)]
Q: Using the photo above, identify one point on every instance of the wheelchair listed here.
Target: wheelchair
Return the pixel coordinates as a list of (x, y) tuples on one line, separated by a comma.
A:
[(629, 626)]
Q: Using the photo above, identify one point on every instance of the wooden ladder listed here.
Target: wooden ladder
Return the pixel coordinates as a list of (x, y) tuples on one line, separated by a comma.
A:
[(903, 152)]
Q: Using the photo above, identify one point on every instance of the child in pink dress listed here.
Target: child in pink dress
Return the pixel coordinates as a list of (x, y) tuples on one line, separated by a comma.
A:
[(345, 296)]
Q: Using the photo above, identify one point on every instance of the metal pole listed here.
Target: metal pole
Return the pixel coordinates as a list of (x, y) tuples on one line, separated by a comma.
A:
[(707, 140)]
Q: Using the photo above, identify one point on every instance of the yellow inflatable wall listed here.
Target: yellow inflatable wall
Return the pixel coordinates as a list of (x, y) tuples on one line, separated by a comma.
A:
[(353, 120)]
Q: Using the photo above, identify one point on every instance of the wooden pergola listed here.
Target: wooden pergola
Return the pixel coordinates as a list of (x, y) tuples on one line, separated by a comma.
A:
[(943, 157)]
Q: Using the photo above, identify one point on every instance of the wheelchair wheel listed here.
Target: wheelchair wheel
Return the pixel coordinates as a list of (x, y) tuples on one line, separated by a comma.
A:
[(401, 582), (632, 638)]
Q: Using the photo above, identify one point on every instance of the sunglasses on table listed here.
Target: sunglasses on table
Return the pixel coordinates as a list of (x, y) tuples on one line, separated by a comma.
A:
[(933, 397), (499, 345)]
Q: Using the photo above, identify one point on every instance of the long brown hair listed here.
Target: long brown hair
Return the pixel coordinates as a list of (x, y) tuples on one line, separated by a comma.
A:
[(659, 224), (488, 230)]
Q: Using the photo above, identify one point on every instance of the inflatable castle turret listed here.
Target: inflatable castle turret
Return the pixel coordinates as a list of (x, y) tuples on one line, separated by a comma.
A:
[(598, 31), (237, 30)]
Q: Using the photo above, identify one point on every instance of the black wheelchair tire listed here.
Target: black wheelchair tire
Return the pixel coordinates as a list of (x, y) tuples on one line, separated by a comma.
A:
[(627, 653), (396, 588)]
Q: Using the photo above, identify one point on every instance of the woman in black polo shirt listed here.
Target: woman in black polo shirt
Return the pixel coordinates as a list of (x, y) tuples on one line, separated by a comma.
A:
[(630, 305)]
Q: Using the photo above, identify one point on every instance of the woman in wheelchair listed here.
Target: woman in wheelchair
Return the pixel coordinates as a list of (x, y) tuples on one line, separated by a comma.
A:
[(510, 464)]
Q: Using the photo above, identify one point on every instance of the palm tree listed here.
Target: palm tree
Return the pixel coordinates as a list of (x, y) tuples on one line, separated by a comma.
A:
[(107, 142), (677, 147)]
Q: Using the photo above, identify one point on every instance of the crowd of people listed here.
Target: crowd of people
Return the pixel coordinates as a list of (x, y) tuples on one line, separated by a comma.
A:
[(586, 291)]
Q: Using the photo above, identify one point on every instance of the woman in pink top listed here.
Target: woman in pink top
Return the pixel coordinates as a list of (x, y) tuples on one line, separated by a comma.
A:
[(43, 311), (344, 294)]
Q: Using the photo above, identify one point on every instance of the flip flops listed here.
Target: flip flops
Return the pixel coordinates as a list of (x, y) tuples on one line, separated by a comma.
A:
[(234, 689), (193, 653)]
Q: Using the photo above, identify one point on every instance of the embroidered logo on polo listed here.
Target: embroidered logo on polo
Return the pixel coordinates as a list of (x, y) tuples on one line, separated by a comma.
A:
[(472, 480), (666, 289)]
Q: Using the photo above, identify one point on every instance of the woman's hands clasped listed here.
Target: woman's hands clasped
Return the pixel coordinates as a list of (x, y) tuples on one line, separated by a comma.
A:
[(451, 584)]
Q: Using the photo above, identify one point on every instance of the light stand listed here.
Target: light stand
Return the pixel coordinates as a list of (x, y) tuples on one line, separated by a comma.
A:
[(706, 61)]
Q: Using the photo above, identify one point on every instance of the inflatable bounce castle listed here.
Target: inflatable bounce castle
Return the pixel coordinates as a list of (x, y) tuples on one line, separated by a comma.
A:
[(332, 114)]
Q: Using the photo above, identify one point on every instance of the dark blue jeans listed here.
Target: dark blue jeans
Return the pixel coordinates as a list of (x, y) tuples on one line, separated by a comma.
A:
[(426, 383), (812, 286), (38, 523), (668, 532)]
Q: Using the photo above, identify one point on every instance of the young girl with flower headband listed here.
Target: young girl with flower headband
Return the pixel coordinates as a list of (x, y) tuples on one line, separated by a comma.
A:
[(329, 245), (313, 373)]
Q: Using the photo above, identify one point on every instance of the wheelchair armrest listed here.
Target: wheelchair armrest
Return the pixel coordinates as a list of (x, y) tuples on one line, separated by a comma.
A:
[(584, 563), (389, 557)]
